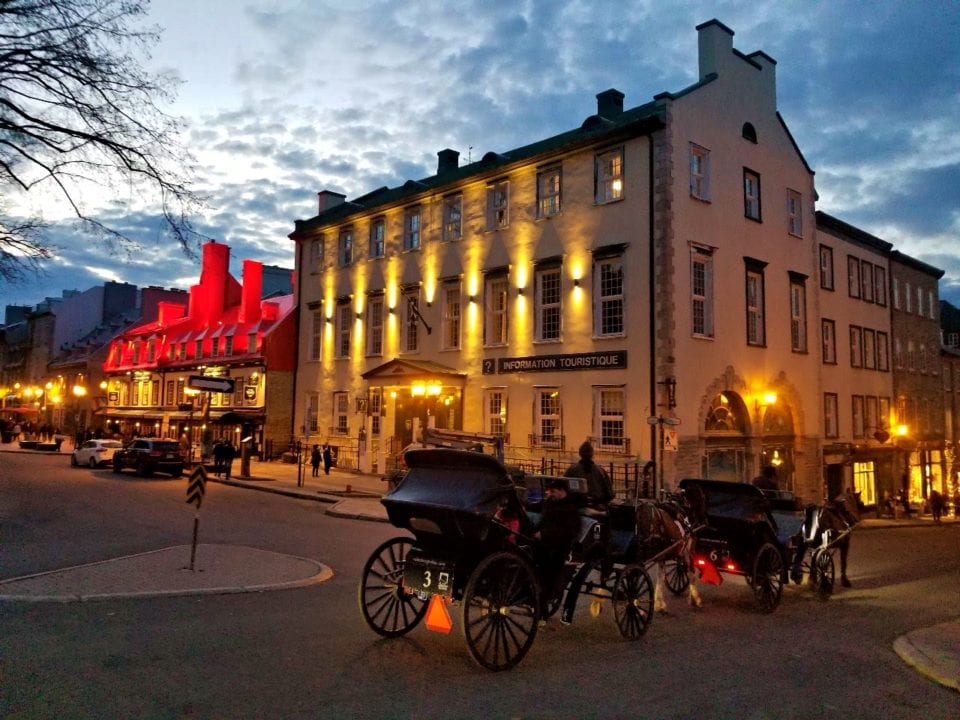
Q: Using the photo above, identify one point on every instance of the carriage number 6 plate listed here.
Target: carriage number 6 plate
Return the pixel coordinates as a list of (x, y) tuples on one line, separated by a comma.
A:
[(428, 576)]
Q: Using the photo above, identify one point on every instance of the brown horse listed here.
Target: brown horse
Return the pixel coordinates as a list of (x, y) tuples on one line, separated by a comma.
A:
[(822, 525)]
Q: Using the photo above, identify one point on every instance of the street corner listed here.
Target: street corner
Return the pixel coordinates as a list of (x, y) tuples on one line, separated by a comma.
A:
[(933, 652), (368, 508)]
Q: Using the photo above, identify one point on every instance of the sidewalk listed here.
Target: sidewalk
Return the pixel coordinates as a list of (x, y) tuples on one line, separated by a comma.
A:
[(934, 651)]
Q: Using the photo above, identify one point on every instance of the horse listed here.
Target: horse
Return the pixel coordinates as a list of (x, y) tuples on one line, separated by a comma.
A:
[(822, 525), (667, 533)]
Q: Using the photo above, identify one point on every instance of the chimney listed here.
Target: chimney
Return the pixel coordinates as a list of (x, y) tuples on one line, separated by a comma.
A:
[(328, 199), (252, 291), (447, 161), (610, 103), (167, 312), (211, 291), (715, 45), (768, 76)]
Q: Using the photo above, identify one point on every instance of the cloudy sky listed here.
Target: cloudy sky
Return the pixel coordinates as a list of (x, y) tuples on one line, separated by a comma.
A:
[(283, 98)]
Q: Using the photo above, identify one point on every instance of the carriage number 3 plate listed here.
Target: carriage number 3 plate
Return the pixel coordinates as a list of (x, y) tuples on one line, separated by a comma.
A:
[(428, 576)]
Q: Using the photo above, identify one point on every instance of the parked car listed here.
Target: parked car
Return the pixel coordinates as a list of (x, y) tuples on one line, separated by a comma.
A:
[(150, 455), (94, 453)]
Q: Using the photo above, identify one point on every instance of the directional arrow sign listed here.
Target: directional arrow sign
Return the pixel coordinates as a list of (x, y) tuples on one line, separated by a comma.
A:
[(210, 384), (197, 485)]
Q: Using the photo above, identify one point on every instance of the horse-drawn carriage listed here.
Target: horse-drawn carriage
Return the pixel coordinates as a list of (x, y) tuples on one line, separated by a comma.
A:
[(461, 553)]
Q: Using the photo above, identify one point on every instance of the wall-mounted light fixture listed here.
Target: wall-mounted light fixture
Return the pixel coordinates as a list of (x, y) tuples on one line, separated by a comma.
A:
[(473, 298), (576, 282), (392, 310), (519, 291), (359, 316)]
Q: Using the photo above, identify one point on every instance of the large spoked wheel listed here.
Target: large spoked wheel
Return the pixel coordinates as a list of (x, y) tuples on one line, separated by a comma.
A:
[(676, 574), (633, 601), (501, 610), (387, 606), (822, 573), (768, 578)]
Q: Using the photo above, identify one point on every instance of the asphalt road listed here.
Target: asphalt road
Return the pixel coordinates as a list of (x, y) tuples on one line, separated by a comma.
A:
[(306, 653)]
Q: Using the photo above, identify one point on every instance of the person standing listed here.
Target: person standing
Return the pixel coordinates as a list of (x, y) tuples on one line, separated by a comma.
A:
[(936, 505), (229, 453), (218, 458), (327, 459), (315, 458), (599, 488)]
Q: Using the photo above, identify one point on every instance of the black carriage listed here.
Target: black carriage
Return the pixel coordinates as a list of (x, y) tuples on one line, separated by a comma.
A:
[(460, 553), (742, 537)]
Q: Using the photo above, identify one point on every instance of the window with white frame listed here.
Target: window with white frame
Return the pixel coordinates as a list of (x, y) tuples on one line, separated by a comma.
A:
[(345, 247), (411, 228), (410, 337), (830, 421), (378, 233), (853, 276), (452, 217), (608, 296), (869, 349), (856, 412), (826, 267), (701, 291), (798, 313), (316, 335), (315, 255), (547, 418), (344, 329), (547, 306), (879, 285), (828, 333), (866, 279), (451, 315), (496, 315), (756, 324), (376, 409), (548, 192), (609, 408), (608, 176), (699, 172), (312, 420), (751, 194), (883, 351), (341, 409), (374, 325), (498, 205), (856, 346), (794, 213), (495, 411)]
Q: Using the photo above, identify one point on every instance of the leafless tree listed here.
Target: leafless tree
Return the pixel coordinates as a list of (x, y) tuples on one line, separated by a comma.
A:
[(81, 118)]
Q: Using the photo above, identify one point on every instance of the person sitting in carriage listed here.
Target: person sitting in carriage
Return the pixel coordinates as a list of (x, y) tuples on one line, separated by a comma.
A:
[(599, 487), (556, 533)]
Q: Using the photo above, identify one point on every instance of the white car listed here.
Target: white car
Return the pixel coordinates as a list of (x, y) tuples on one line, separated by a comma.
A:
[(94, 453)]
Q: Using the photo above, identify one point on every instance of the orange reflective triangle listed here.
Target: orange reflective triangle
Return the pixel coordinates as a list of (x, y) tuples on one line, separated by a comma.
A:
[(438, 619)]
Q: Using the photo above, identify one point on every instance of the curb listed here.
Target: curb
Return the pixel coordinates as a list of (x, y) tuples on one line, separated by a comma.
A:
[(923, 662), (334, 512)]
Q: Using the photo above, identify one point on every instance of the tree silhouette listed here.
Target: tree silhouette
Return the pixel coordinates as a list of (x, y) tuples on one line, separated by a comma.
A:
[(80, 117)]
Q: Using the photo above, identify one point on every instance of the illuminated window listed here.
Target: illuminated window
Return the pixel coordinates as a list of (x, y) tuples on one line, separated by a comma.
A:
[(794, 213), (376, 409), (547, 304), (410, 338), (495, 411), (609, 404), (452, 217), (751, 194), (608, 296), (377, 235), (345, 247), (451, 315), (826, 267), (498, 205), (171, 393), (798, 314), (341, 408), (608, 176), (495, 310), (699, 172), (411, 228), (701, 291), (344, 328), (864, 482), (828, 332), (548, 192), (313, 409), (316, 334), (548, 421), (374, 325), (238, 393)]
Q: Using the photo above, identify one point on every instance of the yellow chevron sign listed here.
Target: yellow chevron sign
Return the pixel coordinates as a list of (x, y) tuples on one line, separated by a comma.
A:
[(197, 485)]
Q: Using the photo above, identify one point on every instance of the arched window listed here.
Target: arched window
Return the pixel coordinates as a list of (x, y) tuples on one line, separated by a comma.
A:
[(727, 416), (749, 132)]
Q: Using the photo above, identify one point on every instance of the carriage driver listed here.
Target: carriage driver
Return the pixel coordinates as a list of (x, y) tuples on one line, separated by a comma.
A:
[(599, 488)]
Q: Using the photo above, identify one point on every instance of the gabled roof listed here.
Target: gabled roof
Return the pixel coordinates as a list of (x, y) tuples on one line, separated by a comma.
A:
[(404, 370)]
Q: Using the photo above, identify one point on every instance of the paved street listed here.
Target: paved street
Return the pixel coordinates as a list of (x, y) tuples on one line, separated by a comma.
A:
[(305, 652)]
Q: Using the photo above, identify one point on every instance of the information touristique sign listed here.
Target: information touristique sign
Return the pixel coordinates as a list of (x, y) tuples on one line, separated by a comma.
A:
[(609, 360)]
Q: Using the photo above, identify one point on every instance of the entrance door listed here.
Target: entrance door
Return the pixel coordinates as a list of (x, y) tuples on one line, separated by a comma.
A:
[(445, 407), (834, 480)]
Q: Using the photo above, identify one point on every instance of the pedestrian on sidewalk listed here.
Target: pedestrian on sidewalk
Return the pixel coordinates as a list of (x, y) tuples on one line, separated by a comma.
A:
[(229, 453), (327, 459), (315, 458), (936, 505)]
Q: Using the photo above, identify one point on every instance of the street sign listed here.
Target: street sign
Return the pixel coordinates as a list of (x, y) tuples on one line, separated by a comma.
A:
[(197, 485), (670, 443), (210, 384)]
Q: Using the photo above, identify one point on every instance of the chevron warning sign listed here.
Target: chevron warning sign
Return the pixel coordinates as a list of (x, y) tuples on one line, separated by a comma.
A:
[(197, 485)]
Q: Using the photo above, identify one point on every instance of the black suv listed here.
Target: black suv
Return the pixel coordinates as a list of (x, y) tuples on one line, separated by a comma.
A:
[(147, 455)]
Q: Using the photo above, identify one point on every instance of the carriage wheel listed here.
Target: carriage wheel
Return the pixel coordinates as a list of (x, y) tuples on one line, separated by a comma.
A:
[(676, 574), (768, 578), (387, 606), (501, 610), (822, 573), (633, 601)]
